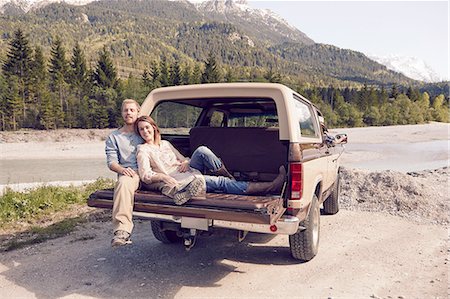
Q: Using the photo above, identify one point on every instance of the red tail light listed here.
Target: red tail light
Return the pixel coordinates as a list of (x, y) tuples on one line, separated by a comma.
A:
[(296, 180)]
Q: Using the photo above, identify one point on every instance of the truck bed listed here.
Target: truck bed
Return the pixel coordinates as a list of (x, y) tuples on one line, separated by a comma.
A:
[(229, 207)]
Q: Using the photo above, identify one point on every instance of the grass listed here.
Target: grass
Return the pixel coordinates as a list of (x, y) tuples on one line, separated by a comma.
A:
[(33, 206), (42, 201)]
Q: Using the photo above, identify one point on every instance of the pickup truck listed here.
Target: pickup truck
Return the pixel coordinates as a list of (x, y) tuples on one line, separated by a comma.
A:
[(254, 128)]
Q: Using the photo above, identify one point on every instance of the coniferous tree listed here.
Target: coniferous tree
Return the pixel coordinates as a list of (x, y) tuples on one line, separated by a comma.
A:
[(175, 74), (17, 64), (81, 88), (155, 73), (186, 76), (164, 72), (59, 72), (39, 85), (105, 74), (13, 102), (211, 74), (394, 91), (147, 79), (3, 108), (272, 77), (106, 91), (79, 70), (196, 75)]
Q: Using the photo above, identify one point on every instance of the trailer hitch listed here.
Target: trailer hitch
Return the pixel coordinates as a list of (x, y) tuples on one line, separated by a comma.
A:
[(189, 238)]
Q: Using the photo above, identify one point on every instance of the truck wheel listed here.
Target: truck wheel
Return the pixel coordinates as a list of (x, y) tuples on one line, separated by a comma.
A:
[(331, 204), (166, 236), (304, 244)]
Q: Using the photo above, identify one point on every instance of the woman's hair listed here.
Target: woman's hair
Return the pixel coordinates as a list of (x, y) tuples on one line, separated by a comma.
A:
[(149, 120)]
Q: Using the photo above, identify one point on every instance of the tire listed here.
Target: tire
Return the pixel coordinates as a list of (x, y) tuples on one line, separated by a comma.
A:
[(166, 236), (331, 204), (304, 244)]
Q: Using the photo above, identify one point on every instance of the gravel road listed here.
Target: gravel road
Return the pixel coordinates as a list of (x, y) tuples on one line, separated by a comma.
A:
[(386, 257)]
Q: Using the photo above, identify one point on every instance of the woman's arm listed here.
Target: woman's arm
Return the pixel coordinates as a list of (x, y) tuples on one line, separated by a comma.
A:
[(184, 166), (147, 174)]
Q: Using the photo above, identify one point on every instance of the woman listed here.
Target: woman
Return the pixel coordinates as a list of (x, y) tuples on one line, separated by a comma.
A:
[(160, 162)]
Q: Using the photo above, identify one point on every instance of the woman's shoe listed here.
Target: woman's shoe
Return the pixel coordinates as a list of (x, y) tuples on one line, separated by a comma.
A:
[(193, 189)]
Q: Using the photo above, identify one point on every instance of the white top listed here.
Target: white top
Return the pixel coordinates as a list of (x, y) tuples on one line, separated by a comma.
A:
[(165, 159)]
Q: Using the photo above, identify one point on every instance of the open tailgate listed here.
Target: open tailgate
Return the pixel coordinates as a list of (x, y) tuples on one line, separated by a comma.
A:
[(228, 207)]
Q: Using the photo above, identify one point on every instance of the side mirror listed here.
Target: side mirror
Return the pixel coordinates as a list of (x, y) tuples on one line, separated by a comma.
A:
[(340, 139)]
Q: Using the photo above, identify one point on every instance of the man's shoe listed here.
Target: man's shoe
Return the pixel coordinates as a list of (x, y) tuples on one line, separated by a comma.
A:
[(120, 238)]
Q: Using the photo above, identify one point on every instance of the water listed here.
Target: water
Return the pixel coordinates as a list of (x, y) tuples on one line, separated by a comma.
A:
[(402, 157), (47, 170)]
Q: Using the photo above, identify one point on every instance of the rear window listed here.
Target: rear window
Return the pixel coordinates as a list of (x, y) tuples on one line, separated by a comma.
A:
[(262, 120), (175, 118)]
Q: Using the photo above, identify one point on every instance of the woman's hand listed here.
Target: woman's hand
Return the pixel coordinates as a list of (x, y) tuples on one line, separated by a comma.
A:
[(184, 166), (167, 179)]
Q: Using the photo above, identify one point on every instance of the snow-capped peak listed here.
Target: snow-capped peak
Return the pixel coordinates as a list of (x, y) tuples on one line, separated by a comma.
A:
[(27, 5), (412, 67)]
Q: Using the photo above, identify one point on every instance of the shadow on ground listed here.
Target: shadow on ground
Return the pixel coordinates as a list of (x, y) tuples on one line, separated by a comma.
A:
[(83, 263)]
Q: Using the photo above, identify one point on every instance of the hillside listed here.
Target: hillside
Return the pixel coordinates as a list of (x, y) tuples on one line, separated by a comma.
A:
[(140, 32)]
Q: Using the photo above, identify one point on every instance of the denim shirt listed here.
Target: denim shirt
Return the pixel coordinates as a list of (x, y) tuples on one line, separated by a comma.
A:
[(121, 148)]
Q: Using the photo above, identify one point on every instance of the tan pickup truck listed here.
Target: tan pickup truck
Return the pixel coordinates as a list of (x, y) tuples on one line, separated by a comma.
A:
[(254, 128)]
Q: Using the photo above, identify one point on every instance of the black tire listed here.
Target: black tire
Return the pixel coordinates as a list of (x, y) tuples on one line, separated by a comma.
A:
[(166, 236), (331, 204), (304, 244)]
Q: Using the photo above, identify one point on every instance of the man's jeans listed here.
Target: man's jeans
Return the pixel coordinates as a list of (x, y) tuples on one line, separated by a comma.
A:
[(204, 159)]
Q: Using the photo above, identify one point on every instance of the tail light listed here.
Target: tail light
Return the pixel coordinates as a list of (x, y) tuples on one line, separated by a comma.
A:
[(296, 180)]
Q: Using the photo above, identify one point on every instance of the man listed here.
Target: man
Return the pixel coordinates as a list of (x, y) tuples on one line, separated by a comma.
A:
[(120, 151)]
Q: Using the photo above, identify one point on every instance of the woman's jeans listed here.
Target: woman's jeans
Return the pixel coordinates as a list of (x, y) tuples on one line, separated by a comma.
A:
[(204, 159)]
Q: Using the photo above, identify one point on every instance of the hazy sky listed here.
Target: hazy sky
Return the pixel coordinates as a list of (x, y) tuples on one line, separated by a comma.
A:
[(405, 28)]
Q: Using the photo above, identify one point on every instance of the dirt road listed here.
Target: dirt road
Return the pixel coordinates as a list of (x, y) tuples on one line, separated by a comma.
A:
[(387, 257)]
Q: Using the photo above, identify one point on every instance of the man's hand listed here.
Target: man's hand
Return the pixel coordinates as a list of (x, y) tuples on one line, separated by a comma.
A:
[(184, 166), (129, 172)]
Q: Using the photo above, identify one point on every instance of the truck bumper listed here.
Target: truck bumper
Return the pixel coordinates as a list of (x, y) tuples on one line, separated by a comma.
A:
[(286, 225)]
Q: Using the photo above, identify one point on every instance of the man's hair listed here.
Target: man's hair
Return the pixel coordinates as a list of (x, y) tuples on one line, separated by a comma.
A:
[(130, 101), (148, 119)]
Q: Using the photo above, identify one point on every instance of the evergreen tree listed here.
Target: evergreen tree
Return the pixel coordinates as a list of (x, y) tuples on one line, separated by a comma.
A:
[(155, 73), (394, 91), (59, 72), (13, 102), (105, 74), (17, 64), (230, 75), (79, 70), (211, 73), (272, 76), (186, 75), (176, 75), (196, 75), (164, 72), (147, 79), (3, 108), (39, 85)]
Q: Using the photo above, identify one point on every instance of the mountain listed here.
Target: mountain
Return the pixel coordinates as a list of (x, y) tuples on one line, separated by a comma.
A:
[(262, 23), (411, 67), (24, 6), (137, 33)]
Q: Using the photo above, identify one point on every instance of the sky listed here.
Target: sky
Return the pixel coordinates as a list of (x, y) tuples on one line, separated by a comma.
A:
[(381, 28)]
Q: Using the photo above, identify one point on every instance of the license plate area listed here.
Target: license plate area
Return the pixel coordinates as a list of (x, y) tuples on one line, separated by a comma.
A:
[(197, 223)]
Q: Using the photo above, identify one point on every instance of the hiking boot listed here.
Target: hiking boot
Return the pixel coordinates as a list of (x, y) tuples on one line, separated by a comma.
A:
[(193, 189), (120, 238)]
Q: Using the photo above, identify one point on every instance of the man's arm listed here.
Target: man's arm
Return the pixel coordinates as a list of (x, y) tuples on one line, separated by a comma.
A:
[(112, 158)]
